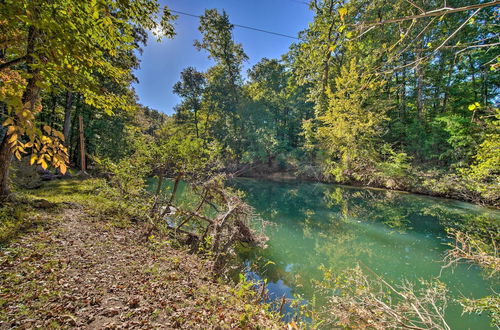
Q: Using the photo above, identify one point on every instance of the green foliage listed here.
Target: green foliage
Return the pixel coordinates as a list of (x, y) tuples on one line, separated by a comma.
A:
[(351, 126), (77, 43), (396, 166), (190, 88), (178, 151), (461, 137), (72, 47), (128, 175), (484, 174)]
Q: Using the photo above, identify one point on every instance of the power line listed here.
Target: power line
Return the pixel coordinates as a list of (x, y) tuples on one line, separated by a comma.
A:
[(301, 2), (241, 26)]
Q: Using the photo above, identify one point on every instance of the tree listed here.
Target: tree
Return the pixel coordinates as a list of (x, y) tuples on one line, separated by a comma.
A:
[(190, 88), (271, 113), (222, 95), (70, 44), (351, 127)]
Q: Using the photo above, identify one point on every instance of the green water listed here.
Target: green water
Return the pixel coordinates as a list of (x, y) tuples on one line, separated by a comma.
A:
[(397, 235)]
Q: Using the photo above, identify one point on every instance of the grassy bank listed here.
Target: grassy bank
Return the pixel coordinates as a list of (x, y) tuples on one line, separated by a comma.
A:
[(73, 256)]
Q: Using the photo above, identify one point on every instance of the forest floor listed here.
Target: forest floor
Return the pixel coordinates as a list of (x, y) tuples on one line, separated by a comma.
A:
[(67, 268)]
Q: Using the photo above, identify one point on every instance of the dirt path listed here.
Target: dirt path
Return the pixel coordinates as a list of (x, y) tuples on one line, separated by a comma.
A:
[(78, 272)]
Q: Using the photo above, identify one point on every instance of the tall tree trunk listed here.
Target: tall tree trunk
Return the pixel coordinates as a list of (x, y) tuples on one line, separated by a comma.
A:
[(447, 87), (52, 116), (67, 118), (29, 99), (484, 89), (5, 160), (420, 86), (474, 82), (174, 190), (403, 93), (195, 109)]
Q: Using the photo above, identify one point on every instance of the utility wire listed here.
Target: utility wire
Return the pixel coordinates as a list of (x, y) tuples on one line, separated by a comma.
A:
[(302, 2), (241, 26)]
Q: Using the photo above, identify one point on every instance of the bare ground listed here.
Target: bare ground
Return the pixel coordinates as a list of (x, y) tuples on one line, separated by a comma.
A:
[(79, 272)]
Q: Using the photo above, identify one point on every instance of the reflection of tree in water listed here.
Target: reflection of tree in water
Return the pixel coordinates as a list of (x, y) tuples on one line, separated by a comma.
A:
[(338, 226), (480, 224), (391, 208)]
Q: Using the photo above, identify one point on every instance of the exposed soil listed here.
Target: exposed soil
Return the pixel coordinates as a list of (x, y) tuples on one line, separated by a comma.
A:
[(78, 272)]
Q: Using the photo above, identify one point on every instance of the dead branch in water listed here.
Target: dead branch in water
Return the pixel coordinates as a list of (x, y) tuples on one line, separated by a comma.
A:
[(230, 225)]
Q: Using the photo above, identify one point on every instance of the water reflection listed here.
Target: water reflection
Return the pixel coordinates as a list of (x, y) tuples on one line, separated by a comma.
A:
[(397, 235)]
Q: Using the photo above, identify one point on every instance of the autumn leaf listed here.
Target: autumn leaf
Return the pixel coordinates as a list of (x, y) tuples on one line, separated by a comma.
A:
[(43, 164), (342, 13), (58, 134), (8, 121), (63, 168), (33, 159), (13, 138), (11, 130)]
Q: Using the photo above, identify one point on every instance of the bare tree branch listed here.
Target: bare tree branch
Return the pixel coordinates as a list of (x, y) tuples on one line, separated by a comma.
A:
[(13, 62), (436, 12)]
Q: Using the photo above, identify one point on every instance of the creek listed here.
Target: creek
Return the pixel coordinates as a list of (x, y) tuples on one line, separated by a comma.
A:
[(397, 235)]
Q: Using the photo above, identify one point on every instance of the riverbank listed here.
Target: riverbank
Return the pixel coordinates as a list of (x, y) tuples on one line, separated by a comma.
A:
[(72, 257), (428, 183)]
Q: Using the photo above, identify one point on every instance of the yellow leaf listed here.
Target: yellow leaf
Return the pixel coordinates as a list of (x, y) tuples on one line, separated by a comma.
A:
[(47, 129), (7, 122), (32, 159), (63, 168), (44, 164), (18, 155), (13, 138), (342, 12), (58, 134), (11, 130)]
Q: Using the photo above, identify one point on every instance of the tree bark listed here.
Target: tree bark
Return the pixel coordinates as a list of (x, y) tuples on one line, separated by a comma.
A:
[(67, 118), (29, 99), (13, 62), (5, 160), (174, 191), (419, 72)]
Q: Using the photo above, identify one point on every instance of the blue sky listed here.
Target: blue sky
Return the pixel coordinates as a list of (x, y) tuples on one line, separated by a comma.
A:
[(161, 63)]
